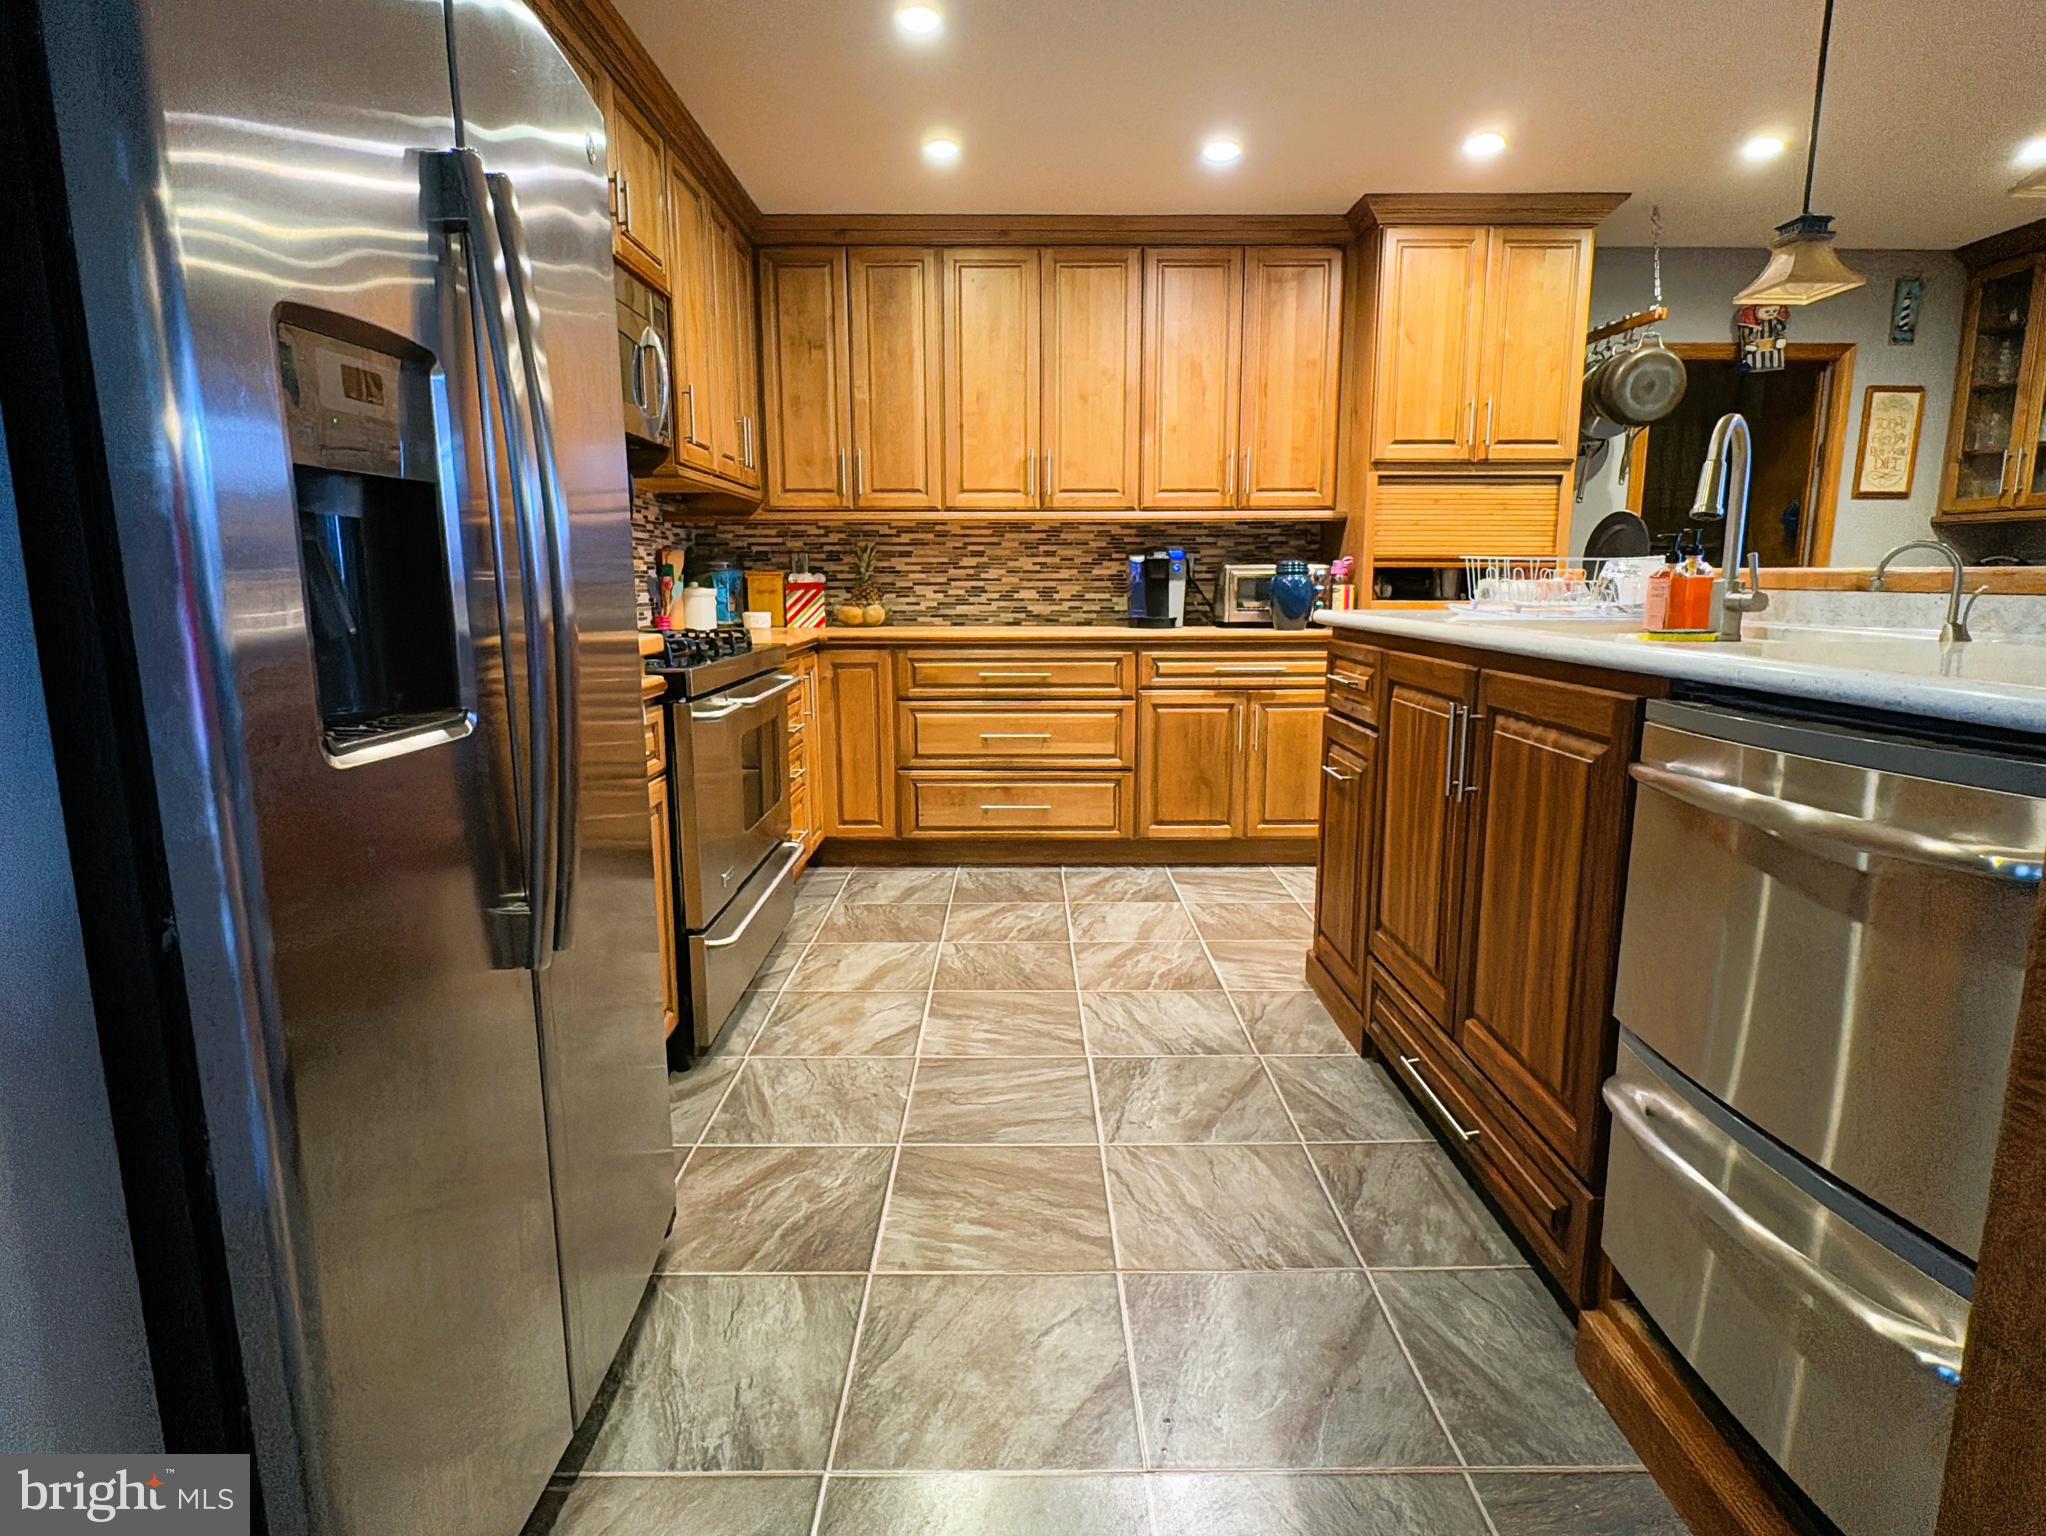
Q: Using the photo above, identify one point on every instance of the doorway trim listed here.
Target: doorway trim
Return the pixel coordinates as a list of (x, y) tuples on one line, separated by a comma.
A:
[(1838, 356)]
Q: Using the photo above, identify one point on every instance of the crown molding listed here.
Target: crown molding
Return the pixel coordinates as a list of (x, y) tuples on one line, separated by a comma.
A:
[(1582, 209), (1050, 229)]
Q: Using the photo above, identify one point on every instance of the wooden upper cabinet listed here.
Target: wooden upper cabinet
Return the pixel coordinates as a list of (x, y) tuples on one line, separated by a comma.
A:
[(1093, 360), (897, 448), (1531, 356), (694, 251), (639, 191), (1549, 775), (1282, 788), (1431, 285), (1193, 339), (735, 358), (1419, 836), (1291, 365), (991, 378), (804, 344)]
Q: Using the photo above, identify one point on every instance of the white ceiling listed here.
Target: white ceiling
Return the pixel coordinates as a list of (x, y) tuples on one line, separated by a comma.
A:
[(1098, 106)]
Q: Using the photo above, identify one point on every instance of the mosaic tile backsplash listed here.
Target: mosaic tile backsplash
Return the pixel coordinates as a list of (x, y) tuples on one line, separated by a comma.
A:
[(1049, 572)]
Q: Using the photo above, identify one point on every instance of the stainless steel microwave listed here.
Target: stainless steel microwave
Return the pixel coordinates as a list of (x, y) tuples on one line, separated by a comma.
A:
[(644, 377), (1243, 593)]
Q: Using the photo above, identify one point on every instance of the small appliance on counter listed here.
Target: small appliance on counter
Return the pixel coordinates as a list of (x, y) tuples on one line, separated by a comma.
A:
[(1244, 593), (1157, 588)]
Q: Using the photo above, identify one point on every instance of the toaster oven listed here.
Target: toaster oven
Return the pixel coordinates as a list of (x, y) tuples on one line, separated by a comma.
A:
[(1243, 593)]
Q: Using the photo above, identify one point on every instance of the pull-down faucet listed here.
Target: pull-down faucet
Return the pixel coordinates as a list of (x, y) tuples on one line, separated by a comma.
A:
[(1723, 497)]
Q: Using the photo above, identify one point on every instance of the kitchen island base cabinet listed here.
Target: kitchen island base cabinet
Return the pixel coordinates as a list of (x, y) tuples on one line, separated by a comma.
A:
[(1471, 860)]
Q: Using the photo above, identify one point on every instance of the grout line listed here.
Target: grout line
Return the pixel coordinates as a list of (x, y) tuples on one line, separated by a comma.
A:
[(1021, 1274), (1478, 1499), (739, 1066), (1122, 1299), (852, 1358), (1429, 1470), (1343, 1227)]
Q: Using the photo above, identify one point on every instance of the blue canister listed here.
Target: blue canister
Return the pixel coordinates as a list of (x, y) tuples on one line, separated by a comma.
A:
[(730, 584), (1292, 595)]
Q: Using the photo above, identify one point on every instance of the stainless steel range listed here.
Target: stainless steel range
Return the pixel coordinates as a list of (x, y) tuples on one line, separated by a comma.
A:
[(727, 723)]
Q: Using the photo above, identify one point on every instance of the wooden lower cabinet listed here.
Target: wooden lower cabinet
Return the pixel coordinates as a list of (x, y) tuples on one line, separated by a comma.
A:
[(1472, 858), (1343, 873), (1413, 930), (664, 901), (1282, 775), (1541, 896), (857, 713), (1189, 745)]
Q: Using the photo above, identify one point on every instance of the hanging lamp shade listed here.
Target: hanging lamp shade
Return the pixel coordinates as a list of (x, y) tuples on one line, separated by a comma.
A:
[(1803, 266)]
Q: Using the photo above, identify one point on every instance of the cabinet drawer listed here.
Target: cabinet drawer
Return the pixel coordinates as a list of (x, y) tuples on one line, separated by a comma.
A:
[(997, 805), (1353, 682), (799, 760), (1084, 735), (1554, 1214), (1014, 671), (1230, 669)]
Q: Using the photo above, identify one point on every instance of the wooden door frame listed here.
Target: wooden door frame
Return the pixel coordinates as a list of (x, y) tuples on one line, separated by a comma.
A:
[(1838, 358)]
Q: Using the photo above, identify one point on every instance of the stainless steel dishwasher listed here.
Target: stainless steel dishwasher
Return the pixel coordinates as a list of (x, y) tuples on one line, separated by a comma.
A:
[(1820, 963)]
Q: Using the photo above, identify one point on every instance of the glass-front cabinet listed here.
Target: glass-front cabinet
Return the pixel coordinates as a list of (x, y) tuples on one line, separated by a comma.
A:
[(1994, 454)]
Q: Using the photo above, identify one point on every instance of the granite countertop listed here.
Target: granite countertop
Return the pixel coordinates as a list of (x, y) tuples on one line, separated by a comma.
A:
[(1125, 635), (1997, 681)]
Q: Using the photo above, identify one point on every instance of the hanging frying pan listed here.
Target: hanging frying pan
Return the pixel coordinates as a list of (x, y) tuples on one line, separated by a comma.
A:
[(1594, 426), (1642, 386)]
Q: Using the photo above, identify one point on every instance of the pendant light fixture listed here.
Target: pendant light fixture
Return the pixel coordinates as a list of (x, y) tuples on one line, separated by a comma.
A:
[(1803, 266)]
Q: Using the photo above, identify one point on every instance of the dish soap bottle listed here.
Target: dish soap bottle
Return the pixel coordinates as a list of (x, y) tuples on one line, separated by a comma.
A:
[(1694, 587), (1662, 586)]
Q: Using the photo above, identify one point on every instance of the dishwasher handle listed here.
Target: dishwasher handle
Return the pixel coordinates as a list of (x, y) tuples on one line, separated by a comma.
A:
[(1634, 1109), (1839, 837)]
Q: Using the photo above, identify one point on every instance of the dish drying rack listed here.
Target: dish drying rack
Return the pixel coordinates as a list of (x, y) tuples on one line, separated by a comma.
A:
[(1543, 586)]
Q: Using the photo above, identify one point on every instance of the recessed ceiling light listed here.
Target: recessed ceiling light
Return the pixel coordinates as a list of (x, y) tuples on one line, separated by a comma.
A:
[(2032, 152), (1221, 151), (1483, 146), (941, 151), (919, 20), (1763, 146)]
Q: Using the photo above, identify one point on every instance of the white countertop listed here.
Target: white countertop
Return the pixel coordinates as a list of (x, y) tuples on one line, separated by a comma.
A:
[(1996, 681)]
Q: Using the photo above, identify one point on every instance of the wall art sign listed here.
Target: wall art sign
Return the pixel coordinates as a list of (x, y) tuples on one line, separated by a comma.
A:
[(1891, 415)]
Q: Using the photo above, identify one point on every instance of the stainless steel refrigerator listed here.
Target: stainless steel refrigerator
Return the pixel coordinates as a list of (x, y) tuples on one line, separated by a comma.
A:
[(341, 276)]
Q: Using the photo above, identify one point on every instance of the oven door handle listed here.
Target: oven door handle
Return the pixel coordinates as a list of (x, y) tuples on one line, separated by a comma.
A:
[(1635, 1108), (791, 851), (1838, 837), (783, 683)]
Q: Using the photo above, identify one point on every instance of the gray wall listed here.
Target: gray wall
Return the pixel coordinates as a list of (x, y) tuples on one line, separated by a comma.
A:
[(1698, 286), (74, 1370)]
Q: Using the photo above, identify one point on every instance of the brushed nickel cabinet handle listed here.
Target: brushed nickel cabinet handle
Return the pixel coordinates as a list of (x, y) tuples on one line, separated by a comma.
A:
[(1470, 421), (1411, 1064), (1449, 754), (1015, 735), (689, 399), (859, 473), (1488, 423), (1013, 676), (1466, 781), (1338, 775), (1349, 680), (987, 807)]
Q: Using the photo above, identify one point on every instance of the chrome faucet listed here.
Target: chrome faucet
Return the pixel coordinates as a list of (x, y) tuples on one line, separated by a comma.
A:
[(1723, 497), (1956, 626)]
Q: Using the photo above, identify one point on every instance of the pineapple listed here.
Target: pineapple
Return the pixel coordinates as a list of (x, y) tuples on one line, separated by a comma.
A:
[(866, 592)]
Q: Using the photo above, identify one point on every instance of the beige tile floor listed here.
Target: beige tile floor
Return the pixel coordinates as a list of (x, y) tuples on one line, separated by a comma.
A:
[(1050, 1201)]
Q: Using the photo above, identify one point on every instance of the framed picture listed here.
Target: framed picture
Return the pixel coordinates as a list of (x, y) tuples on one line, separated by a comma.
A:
[(1891, 415)]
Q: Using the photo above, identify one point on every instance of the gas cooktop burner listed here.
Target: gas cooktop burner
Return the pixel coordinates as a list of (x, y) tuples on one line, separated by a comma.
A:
[(698, 647)]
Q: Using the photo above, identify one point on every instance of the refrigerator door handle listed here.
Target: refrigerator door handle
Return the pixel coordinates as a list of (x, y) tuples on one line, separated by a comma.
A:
[(460, 197), (511, 235)]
